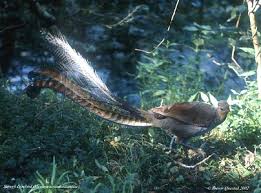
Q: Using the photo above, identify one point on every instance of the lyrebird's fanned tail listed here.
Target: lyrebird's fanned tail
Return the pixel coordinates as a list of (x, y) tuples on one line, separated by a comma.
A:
[(78, 67), (97, 98)]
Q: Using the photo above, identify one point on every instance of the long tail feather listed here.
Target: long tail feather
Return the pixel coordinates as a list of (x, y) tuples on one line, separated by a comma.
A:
[(59, 83), (72, 62)]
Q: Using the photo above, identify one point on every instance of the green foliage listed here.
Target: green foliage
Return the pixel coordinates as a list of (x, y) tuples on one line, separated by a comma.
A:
[(243, 125), (54, 184), (162, 80), (99, 157)]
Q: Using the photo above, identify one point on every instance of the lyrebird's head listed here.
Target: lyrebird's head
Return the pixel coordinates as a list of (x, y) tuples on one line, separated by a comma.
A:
[(223, 109)]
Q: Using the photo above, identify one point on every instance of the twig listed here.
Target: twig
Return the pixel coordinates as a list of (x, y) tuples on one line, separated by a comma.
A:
[(13, 27), (235, 66), (255, 6), (159, 44), (217, 63), (42, 13), (125, 19), (193, 166), (45, 109)]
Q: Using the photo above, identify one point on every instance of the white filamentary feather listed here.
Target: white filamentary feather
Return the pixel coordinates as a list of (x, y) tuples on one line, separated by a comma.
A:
[(73, 62)]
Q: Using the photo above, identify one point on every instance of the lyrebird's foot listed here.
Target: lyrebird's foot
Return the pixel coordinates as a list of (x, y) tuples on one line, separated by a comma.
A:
[(197, 152), (201, 152), (169, 152)]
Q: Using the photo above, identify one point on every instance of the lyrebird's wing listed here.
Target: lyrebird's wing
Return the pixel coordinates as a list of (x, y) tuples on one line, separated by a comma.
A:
[(192, 113)]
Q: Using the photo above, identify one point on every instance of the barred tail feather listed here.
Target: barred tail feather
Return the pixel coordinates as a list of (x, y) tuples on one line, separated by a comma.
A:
[(95, 95), (61, 84)]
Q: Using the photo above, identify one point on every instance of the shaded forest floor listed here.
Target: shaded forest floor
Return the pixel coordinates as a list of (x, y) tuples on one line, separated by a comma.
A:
[(52, 141)]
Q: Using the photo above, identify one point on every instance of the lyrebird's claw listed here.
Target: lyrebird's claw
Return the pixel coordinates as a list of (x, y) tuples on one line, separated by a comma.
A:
[(201, 152)]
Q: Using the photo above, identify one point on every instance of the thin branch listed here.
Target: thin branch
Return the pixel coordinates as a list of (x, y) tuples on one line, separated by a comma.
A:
[(233, 58), (255, 6), (235, 66), (126, 19), (12, 27), (42, 13), (45, 109), (173, 14), (149, 52), (193, 166), (161, 42)]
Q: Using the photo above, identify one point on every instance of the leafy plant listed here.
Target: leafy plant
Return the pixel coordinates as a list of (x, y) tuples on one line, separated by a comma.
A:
[(54, 183), (162, 80)]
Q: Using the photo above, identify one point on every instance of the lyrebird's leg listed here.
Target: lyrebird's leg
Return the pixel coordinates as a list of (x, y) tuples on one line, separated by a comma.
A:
[(173, 139), (171, 142)]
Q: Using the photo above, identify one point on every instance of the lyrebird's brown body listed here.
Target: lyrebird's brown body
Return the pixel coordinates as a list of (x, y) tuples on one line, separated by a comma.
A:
[(189, 119), (184, 120)]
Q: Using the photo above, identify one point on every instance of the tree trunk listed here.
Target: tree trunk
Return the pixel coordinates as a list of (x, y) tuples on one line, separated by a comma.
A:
[(253, 27)]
